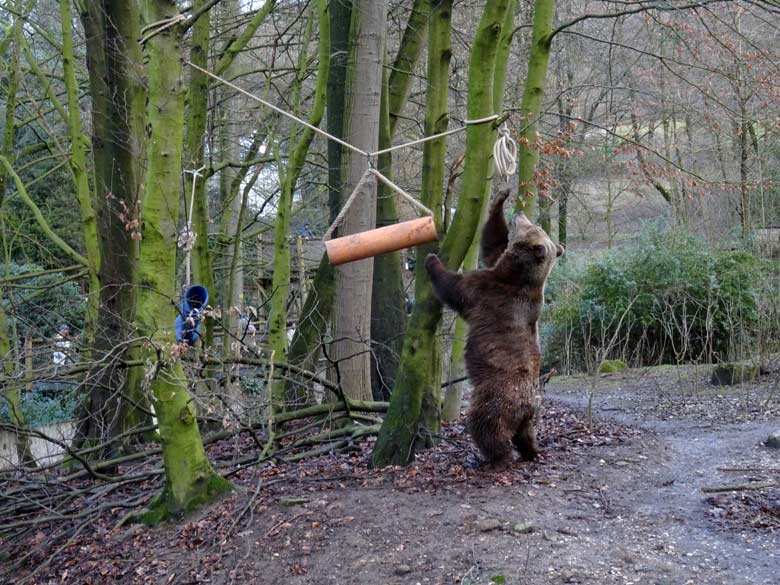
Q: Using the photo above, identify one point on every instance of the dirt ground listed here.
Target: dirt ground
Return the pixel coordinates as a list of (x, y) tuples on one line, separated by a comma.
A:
[(616, 499)]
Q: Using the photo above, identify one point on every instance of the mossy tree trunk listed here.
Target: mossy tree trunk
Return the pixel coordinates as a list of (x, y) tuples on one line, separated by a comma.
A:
[(115, 66), (453, 395), (194, 159), (388, 302), (190, 479), (352, 312), (530, 109), (79, 147), (9, 391), (306, 344), (420, 357), (413, 413), (277, 330)]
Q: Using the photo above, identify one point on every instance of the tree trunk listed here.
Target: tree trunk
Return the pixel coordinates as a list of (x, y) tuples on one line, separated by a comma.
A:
[(409, 422), (233, 208), (530, 108), (306, 344), (194, 159), (352, 313), (453, 396), (78, 165), (190, 479), (114, 62), (277, 320), (8, 390), (745, 205), (388, 305), (388, 302)]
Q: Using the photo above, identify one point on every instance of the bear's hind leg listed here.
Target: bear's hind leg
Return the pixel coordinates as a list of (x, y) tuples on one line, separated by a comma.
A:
[(524, 440), (492, 439)]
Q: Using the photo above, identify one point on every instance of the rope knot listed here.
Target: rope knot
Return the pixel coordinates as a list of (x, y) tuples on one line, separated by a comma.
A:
[(186, 239)]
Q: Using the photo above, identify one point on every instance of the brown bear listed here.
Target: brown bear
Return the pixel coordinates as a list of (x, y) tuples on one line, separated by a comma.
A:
[(501, 305)]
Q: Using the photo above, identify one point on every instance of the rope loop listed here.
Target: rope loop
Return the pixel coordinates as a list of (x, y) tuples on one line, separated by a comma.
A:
[(505, 153)]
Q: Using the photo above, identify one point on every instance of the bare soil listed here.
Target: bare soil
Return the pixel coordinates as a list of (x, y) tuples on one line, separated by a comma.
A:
[(616, 499)]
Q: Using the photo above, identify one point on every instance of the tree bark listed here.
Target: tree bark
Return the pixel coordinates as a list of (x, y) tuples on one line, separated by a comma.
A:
[(531, 105), (114, 62), (190, 479), (352, 313), (388, 302), (277, 319), (409, 424)]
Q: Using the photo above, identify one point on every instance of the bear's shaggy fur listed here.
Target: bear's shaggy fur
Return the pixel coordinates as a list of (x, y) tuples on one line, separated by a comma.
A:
[(501, 305)]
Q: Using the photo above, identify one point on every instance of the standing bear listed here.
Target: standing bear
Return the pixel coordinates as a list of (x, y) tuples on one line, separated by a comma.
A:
[(501, 305)]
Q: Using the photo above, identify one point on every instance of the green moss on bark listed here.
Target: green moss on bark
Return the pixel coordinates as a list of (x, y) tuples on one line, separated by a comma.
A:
[(413, 414), (190, 479)]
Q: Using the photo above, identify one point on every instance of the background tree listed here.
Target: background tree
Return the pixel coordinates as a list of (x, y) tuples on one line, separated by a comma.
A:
[(352, 312)]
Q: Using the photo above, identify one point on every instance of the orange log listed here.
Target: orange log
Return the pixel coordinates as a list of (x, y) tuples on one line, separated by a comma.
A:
[(381, 240)]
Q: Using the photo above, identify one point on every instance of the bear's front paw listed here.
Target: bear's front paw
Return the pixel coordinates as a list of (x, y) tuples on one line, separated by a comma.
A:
[(432, 262), (501, 199)]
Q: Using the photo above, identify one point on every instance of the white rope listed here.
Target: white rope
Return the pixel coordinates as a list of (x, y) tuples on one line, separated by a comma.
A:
[(401, 192), (435, 136), (505, 153), (340, 217), (187, 237), (156, 28), (279, 110), (321, 132)]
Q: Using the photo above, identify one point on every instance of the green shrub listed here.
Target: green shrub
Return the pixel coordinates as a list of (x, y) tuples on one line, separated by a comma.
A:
[(612, 366), (37, 306), (44, 408), (670, 298)]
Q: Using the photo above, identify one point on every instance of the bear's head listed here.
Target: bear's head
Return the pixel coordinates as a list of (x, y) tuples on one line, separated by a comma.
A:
[(530, 254)]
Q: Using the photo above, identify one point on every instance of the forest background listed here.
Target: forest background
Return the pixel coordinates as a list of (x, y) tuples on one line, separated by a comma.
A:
[(648, 146)]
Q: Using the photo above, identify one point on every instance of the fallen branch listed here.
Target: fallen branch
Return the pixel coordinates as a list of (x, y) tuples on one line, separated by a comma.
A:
[(330, 407), (740, 487), (750, 469)]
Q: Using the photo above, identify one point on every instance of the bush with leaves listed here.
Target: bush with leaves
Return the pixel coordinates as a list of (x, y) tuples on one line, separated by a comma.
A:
[(38, 305), (670, 298), (45, 405)]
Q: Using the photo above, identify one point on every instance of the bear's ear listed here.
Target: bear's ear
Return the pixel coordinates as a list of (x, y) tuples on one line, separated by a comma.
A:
[(540, 252), (560, 250)]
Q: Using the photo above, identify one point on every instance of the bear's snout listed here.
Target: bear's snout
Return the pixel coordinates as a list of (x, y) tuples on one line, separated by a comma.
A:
[(520, 219)]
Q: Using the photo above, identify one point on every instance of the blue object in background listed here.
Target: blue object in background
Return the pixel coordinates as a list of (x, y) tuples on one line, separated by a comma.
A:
[(188, 322)]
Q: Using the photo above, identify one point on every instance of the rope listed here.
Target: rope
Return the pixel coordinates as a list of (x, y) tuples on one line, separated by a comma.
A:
[(435, 136), (280, 111), (401, 192), (321, 132), (505, 153), (340, 217), (187, 237), (156, 28)]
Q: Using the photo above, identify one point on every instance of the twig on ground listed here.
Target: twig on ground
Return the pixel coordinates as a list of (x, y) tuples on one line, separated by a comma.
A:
[(756, 485)]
